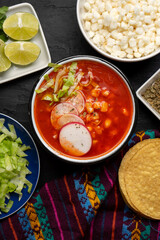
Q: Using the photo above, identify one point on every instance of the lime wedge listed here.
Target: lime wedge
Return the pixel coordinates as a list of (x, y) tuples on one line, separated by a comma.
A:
[(4, 61), (21, 26), (22, 53)]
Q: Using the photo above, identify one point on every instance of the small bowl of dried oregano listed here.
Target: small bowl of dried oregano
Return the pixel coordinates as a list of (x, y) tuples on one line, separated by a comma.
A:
[(149, 94)]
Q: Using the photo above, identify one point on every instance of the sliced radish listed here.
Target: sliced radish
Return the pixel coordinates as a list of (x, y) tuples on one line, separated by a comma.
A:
[(75, 139), (77, 101), (68, 118), (61, 109)]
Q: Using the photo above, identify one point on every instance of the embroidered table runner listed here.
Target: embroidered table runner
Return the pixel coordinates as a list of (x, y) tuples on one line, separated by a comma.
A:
[(85, 205)]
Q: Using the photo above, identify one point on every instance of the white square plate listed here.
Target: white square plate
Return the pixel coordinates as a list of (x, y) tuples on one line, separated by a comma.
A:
[(44, 58), (141, 90)]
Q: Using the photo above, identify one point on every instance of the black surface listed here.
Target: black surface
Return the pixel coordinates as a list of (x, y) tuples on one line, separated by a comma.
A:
[(59, 23)]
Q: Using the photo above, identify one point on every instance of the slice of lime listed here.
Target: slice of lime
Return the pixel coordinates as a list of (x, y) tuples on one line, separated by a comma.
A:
[(4, 61), (21, 26), (22, 53)]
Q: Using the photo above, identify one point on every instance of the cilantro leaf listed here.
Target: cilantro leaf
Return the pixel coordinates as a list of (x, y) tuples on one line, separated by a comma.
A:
[(3, 11), (1, 22), (3, 36)]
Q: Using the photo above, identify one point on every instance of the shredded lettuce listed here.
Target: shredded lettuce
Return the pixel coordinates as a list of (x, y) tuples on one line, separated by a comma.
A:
[(73, 94), (46, 77), (55, 66), (13, 166), (68, 82), (55, 98), (72, 71), (47, 85), (48, 97)]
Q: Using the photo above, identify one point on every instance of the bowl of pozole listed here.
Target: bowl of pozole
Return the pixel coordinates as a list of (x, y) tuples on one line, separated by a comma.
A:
[(83, 109)]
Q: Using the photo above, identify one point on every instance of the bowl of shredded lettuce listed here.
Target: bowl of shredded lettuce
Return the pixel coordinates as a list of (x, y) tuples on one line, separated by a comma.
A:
[(19, 166)]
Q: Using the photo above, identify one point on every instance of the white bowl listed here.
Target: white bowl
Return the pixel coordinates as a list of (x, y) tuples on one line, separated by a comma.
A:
[(142, 89), (79, 11), (83, 160), (16, 71)]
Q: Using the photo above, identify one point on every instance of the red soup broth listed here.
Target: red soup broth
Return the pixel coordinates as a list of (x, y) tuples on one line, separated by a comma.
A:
[(107, 114)]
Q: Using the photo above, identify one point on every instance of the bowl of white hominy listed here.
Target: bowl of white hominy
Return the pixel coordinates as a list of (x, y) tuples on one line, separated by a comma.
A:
[(123, 30)]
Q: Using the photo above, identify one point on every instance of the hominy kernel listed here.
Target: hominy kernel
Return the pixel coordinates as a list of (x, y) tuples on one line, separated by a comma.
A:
[(104, 106), (107, 123), (105, 93), (95, 141), (96, 122), (98, 129), (97, 105), (89, 128), (136, 21), (130, 56), (88, 118), (91, 34), (89, 107), (125, 112), (87, 26), (137, 55), (87, 6), (95, 92), (93, 134), (55, 136), (113, 132), (95, 116)]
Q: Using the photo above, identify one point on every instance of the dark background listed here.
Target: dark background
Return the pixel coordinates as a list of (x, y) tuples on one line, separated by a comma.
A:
[(59, 23)]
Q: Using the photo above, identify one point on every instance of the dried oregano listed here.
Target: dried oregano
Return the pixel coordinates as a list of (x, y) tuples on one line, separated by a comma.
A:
[(152, 95)]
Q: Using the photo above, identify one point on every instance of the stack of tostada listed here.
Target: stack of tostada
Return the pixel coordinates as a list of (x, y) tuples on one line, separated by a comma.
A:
[(139, 178)]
